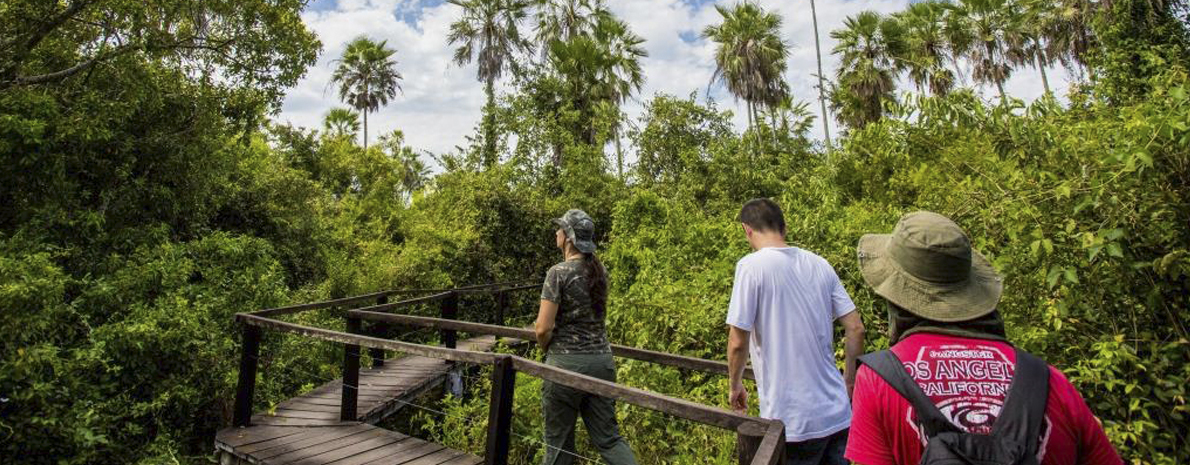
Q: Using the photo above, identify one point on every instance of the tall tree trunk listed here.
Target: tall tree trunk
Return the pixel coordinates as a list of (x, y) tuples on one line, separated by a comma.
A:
[(619, 155), (826, 126), (365, 111), (750, 123), (489, 127), (1003, 97), (1045, 80), (773, 125)]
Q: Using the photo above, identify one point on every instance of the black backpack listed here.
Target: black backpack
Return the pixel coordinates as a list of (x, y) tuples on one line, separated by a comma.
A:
[(1014, 438)]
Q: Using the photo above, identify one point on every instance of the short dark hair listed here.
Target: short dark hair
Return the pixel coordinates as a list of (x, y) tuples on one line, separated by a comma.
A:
[(763, 215)]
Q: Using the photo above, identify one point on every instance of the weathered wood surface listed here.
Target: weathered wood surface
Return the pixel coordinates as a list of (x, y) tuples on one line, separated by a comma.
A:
[(307, 429), (340, 444)]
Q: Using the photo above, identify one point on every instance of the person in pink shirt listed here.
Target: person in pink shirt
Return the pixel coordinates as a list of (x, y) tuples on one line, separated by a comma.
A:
[(958, 395)]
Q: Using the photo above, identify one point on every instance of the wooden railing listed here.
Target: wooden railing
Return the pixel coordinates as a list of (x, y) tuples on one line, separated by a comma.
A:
[(760, 441)]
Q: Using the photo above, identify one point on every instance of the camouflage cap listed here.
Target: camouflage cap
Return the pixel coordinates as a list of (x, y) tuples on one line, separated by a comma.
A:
[(579, 228)]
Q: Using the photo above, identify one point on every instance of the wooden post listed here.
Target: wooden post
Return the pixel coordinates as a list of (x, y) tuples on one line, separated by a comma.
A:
[(348, 403), (249, 355), (501, 304), (748, 438), (450, 311), (500, 412), (379, 330)]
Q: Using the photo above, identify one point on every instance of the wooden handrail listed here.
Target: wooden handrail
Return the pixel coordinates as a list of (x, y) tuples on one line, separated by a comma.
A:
[(669, 405), (456, 355), (473, 289), (681, 408), (760, 441), (508, 289), (645, 355), (772, 447)]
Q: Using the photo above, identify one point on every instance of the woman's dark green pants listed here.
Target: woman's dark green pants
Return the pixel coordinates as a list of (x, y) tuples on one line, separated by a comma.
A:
[(563, 405)]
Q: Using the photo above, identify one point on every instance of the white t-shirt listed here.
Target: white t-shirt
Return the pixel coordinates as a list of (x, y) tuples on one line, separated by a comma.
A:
[(788, 299)]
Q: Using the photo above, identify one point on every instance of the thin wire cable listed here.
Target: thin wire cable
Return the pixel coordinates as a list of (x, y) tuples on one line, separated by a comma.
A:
[(468, 420), (559, 449)]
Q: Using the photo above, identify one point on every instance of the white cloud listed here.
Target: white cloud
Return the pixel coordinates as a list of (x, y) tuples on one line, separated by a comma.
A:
[(441, 101)]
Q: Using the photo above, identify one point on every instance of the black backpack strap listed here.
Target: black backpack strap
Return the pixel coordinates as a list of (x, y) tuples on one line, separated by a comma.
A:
[(1024, 407), (889, 367)]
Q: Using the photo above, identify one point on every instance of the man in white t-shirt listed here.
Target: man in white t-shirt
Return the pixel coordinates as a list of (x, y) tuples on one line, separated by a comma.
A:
[(784, 303)]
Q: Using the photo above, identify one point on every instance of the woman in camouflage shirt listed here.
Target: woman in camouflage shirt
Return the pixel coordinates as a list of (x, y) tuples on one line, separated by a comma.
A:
[(570, 329)]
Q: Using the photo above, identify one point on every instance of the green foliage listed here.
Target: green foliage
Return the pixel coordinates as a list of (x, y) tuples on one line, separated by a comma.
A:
[(144, 207), (129, 361)]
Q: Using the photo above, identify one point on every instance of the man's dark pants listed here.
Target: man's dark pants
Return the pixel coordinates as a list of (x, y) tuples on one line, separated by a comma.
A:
[(821, 451)]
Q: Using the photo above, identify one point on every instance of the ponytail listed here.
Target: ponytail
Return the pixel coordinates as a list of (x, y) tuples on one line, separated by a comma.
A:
[(596, 284)]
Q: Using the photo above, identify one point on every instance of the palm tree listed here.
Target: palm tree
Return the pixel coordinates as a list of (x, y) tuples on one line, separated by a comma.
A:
[(1028, 38), (367, 77), (414, 174), (489, 33), (622, 76), (826, 127), (562, 20), (1067, 30), (341, 122), (926, 50), (983, 32), (750, 57), (868, 45), (594, 73)]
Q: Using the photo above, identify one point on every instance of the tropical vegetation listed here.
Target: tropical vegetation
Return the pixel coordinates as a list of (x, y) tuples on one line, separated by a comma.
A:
[(149, 195)]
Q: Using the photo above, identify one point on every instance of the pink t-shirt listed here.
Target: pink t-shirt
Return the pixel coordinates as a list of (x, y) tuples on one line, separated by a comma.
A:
[(967, 379)]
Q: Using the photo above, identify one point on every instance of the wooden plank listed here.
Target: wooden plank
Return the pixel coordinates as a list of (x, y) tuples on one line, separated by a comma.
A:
[(393, 405), (299, 403), (355, 449), (693, 411), (402, 381), (771, 450), (333, 395), (352, 300), (321, 392), (367, 341), (237, 437), (318, 444), (349, 387), (435, 458), (311, 400), (421, 450), (383, 453), (412, 365), (465, 459), (500, 412), (449, 310), (285, 421), (305, 434), (246, 386), (280, 311), (293, 413)]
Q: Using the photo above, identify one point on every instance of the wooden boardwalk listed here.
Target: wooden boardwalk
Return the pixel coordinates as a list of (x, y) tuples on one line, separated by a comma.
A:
[(306, 429)]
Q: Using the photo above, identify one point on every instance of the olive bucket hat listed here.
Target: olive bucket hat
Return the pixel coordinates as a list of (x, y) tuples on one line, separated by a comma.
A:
[(579, 228), (927, 266)]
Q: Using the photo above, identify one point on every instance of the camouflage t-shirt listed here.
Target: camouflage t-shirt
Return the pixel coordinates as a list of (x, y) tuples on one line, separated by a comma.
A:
[(576, 329)]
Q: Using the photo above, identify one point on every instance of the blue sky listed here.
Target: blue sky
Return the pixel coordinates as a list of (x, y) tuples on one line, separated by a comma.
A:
[(441, 101)]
